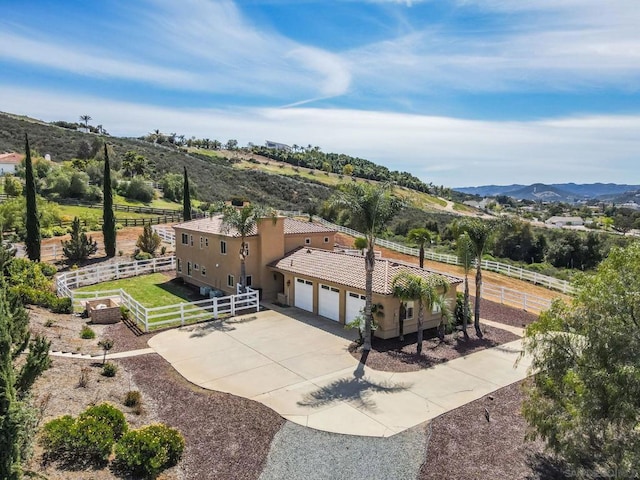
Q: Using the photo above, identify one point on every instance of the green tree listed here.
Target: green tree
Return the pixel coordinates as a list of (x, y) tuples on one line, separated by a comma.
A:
[(79, 247), (479, 234), (32, 240), (420, 236), (85, 119), (347, 169), (464, 248), (410, 287), (186, 198), (371, 207), (108, 217), (148, 241), (16, 414), (12, 186), (243, 221), (585, 397)]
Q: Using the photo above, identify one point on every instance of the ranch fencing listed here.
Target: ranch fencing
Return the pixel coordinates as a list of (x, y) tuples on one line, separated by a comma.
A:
[(155, 317)]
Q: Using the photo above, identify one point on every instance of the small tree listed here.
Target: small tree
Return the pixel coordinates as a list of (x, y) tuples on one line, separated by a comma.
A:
[(32, 240), (149, 241), (79, 247), (108, 217), (12, 186), (186, 198), (106, 345), (465, 258), (421, 236)]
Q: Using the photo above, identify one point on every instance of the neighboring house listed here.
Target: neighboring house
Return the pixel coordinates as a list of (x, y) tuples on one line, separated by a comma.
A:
[(207, 256), (277, 146), (481, 205), (9, 163), (332, 284), (565, 221), (293, 262)]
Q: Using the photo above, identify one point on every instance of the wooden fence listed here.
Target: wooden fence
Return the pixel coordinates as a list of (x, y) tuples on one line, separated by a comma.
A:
[(156, 317)]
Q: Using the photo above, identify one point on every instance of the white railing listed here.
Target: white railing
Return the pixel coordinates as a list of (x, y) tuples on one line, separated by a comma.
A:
[(514, 298), (509, 270), (167, 235), (156, 317), (81, 277)]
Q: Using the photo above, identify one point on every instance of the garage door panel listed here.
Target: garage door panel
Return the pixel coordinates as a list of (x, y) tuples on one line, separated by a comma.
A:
[(304, 294), (329, 302), (355, 303)]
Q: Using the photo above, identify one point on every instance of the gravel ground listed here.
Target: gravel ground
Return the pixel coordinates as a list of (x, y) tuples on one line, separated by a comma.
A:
[(514, 317), (302, 453)]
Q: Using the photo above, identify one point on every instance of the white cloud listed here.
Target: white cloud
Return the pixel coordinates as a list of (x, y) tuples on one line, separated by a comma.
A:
[(442, 150)]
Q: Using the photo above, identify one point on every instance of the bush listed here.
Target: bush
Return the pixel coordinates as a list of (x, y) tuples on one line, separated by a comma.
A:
[(133, 398), (87, 439), (61, 305), (59, 231), (109, 415), (125, 313), (148, 451), (109, 369), (87, 333), (143, 256), (138, 189), (46, 233)]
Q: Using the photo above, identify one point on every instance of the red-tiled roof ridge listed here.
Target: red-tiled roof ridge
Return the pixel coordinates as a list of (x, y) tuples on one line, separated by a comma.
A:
[(213, 224), (349, 270)]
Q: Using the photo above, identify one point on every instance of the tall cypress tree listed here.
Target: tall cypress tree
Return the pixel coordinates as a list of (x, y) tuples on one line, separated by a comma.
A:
[(108, 217), (32, 242), (186, 198)]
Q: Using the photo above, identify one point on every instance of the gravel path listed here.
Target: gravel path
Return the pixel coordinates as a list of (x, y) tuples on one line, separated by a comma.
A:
[(303, 453)]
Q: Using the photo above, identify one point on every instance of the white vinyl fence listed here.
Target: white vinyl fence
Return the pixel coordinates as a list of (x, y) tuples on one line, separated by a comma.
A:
[(508, 270), (156, 317)]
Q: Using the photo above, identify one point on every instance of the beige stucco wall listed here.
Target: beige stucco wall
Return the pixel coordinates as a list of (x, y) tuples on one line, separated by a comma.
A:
[(316, 240), (269, 245)]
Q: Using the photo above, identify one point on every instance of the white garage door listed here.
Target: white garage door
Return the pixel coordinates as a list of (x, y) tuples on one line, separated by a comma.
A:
[(329, 302), (355, 303), (304, 294)]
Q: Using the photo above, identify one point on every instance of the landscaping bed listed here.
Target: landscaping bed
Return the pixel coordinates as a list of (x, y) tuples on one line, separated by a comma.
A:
[(515, 317), (465, 446), (394, 355)]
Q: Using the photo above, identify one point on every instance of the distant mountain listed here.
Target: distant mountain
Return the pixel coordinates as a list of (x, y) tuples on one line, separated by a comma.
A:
[(557, 192)]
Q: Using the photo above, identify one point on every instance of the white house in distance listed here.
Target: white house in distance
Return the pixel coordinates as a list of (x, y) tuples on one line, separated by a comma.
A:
[(565, 222), (277, 146), (9, 163)]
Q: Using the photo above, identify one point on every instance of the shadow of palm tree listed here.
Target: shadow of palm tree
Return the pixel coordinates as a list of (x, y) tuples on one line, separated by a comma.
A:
[(547, 467), (357, 389), (204, 329)]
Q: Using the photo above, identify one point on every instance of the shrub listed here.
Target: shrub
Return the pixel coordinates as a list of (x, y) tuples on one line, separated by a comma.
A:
[(143, 256), (61, 305), (148, 451), (109, 369), (91, 440), (138, 189), (163, 250), (46, 233), (109, 415), (133, 398), (55, 434), (125, 313), (87, 333), (47, 269)]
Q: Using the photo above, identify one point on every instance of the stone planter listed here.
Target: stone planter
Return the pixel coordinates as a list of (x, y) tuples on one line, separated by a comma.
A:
[(104, 310)]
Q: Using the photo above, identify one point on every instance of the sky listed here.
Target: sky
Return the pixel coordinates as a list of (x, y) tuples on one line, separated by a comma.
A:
[(456, 92)]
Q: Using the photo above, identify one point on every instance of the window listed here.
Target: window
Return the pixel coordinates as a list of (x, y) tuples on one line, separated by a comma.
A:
[(249, 281), (196, 266), (230, 281), (191, 240), (436, 309), (409, 307), (206, 241), (326, 239), (185, 239), (178, 265), (189, 268), (307, 241), (203, 272), (201, 242), (223, 247)]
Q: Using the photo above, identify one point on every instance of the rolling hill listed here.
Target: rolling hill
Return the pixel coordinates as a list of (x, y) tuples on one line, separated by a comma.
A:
[(557, 192)]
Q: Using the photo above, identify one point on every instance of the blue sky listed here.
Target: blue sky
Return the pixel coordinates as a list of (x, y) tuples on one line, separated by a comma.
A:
[(458, 92)]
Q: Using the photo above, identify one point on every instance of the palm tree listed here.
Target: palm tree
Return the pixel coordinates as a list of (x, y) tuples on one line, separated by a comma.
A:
[(371, 207), (465, 258), (243, 220), (442, 304), (479, 234), (420, 236), (412, 287), (85, 119)]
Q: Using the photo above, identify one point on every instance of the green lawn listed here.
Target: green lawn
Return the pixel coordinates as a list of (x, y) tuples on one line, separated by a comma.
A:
[(154, 290)]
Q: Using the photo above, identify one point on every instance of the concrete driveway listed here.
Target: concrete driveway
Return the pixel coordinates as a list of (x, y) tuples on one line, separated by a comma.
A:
[(297, 364)]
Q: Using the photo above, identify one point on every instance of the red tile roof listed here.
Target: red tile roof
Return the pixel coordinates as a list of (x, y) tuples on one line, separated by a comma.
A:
[(11, 158), (214, 225), (349, 270)]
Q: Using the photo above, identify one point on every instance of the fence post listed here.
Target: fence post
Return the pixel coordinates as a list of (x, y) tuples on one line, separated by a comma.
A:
[(233, 305), (257, 298), (215, 308), (182, 314)]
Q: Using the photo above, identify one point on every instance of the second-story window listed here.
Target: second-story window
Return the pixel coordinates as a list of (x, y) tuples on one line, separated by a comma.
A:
[(223, 247), (185, 239)]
